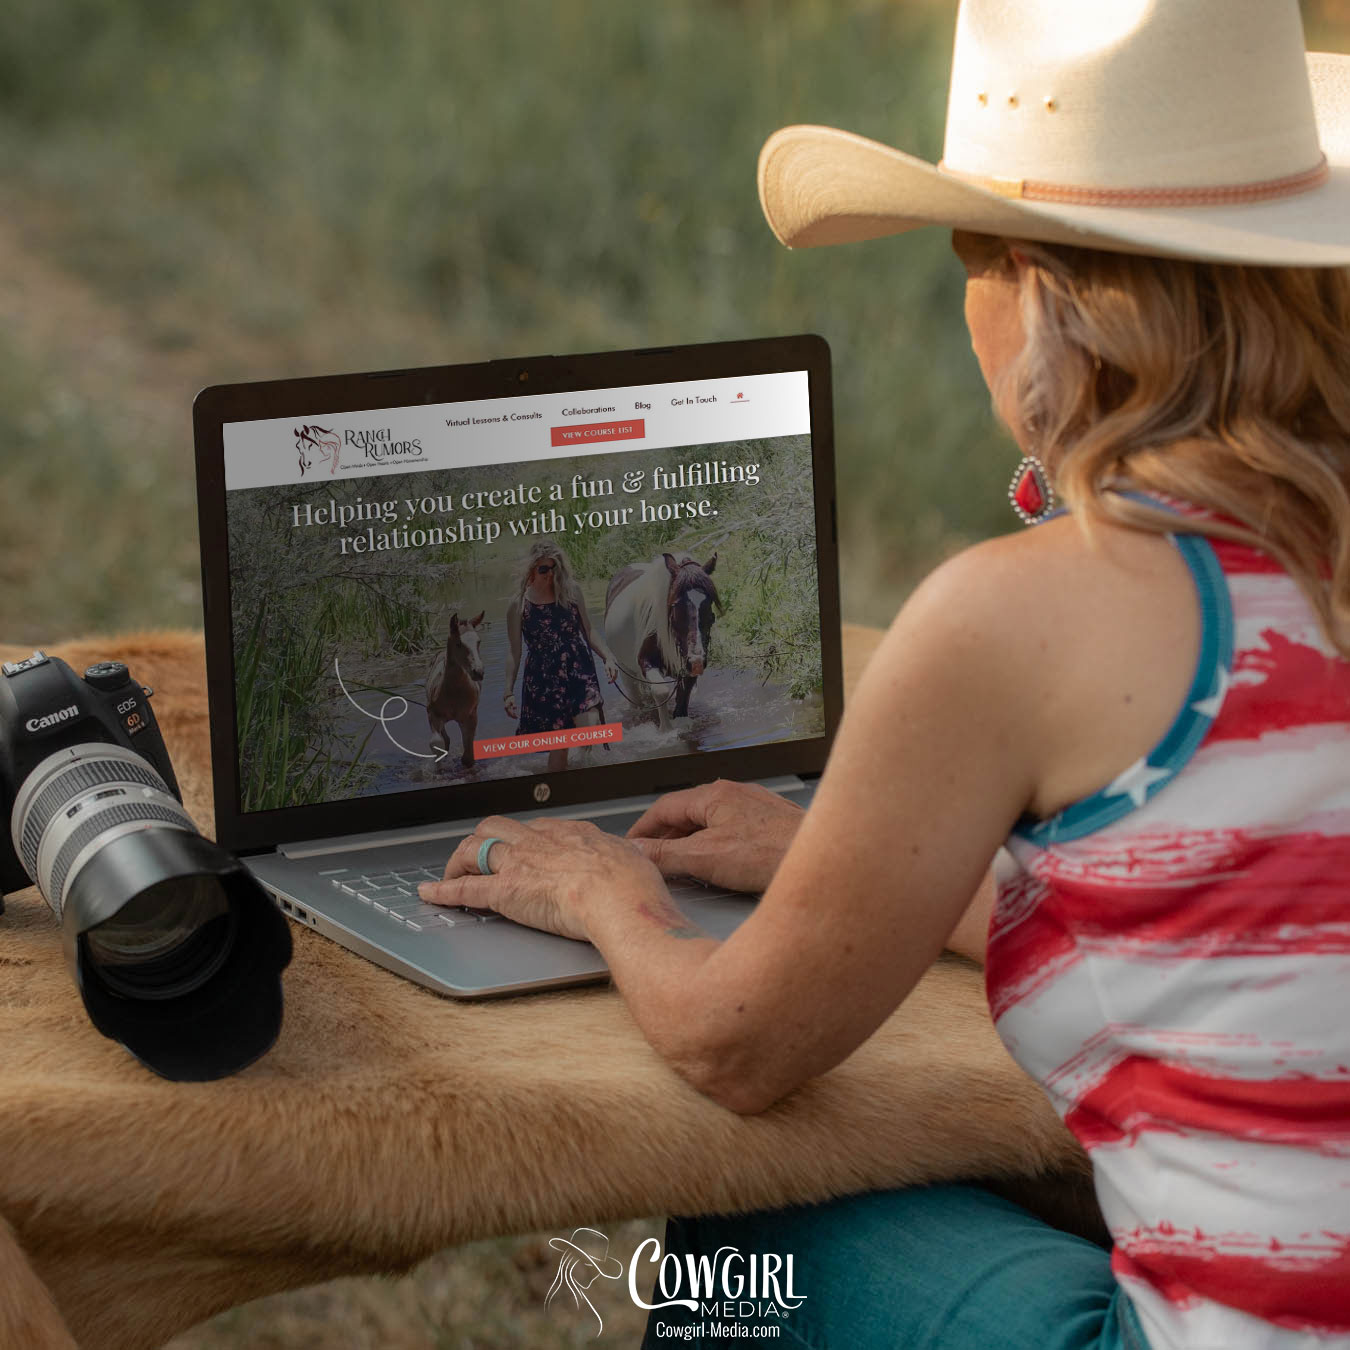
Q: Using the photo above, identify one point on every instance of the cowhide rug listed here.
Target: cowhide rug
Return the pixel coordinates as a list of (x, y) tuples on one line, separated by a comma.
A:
[(389, 1123)]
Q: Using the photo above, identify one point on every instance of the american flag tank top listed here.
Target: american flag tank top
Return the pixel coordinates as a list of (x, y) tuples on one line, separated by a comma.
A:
[(1170, 959)]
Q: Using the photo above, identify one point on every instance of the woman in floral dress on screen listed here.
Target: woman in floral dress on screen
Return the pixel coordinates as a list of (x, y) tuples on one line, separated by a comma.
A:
[(559, 688)]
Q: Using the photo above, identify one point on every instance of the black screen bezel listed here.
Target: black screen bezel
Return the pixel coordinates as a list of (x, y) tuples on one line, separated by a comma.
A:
[(313, 396)]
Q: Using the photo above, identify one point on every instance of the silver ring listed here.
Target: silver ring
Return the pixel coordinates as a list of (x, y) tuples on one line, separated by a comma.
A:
[(483, 850)]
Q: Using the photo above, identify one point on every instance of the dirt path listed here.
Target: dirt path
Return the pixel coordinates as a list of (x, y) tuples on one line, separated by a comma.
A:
[(149, 360), (115, 356), (97, 483)]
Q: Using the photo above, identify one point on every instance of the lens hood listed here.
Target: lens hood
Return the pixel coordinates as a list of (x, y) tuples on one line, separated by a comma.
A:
[(234, 1016)]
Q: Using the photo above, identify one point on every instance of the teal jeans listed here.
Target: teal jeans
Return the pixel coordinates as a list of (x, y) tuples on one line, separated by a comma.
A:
[(926, 1268)]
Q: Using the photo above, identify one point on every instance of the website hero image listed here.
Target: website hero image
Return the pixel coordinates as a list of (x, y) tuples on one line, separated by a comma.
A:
[(447, 594)]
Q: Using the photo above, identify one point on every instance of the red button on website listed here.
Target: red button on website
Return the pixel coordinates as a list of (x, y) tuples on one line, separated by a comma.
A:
[(565, 738), (589, 432)]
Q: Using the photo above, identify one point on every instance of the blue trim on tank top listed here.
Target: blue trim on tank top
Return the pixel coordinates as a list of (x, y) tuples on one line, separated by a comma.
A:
[(1209, 685)]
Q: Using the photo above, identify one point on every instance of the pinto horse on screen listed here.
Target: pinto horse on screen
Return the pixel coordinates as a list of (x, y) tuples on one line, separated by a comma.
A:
[(658, 621)]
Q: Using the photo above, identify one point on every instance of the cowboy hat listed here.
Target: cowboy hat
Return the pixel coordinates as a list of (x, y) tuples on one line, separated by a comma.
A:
[(1188, 128)]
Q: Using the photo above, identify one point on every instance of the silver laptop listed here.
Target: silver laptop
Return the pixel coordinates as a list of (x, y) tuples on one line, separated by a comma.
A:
[(419, 583)]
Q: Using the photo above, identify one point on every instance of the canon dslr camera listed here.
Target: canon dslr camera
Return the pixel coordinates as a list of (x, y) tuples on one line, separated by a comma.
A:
[(176, 950)]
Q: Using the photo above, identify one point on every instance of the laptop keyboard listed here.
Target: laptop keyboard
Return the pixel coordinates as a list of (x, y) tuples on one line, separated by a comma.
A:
[(394, 894)]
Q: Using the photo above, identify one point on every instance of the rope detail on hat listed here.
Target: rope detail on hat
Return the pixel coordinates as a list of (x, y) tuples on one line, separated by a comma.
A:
[(1066, 195)]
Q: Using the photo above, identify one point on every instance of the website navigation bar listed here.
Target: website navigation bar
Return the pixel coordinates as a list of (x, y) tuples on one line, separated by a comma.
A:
[(321, 447)]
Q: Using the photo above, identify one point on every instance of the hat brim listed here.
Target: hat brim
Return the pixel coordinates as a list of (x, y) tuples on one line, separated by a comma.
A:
[(603, 1264), (819, 185)]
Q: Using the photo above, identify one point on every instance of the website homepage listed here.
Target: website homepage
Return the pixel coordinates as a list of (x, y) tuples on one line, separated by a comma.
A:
[(451, 593)]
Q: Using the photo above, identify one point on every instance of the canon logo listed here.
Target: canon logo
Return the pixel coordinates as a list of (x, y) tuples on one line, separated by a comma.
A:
[(52, 719)]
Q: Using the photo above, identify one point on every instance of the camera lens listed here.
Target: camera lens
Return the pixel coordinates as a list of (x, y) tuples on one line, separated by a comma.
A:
[(80, 799), (165, 942), (176, 949)]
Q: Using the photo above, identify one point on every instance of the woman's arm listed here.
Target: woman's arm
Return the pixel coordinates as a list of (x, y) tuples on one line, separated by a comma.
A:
[(1022, 675), (736, 835), (935, 760)]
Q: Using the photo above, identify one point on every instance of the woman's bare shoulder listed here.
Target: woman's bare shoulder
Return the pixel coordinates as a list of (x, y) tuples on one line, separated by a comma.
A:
[(1094, 636), (1057, 572)]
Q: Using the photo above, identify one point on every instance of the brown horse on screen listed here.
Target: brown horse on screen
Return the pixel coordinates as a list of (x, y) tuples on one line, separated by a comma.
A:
[(658, 623), (453, 685)]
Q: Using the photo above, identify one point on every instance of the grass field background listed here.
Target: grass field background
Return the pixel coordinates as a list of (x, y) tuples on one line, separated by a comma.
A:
[(211, 191)]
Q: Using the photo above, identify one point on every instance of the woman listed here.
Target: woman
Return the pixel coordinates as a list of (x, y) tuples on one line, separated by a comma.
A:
[(559, 688), (1138, 711)]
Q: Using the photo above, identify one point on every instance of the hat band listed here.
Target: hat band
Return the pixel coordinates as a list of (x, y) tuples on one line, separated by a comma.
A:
[(1065, 195)]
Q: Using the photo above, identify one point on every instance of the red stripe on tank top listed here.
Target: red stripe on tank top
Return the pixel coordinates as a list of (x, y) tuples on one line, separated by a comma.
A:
[(1140, 1094), (1298, 686), (1246, 895), (1026, 948), (1240, 560), (1284, 1284)]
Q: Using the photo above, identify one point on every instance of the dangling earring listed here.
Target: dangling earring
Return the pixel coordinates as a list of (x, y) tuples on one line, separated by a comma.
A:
[(1030, 493)]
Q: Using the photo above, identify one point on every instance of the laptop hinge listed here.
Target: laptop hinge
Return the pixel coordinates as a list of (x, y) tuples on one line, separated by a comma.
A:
[(455, 829)]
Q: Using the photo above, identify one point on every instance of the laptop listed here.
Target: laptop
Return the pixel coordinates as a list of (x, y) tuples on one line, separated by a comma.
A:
[(418, 584)]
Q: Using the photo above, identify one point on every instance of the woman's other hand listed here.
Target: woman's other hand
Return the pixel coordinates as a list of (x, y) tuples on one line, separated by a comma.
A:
[(545, 873), (729, 834), (611, 670), (509, 706)]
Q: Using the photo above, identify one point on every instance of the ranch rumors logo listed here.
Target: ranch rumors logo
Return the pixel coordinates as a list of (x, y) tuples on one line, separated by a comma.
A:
[(722, 1291), (320, 446), (317, 445)]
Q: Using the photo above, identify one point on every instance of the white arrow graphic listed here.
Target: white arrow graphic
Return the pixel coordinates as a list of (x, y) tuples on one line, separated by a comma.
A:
[(384, 717)]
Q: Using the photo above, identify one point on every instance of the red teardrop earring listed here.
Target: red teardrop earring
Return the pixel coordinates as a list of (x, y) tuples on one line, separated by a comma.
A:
[(1030, 493)]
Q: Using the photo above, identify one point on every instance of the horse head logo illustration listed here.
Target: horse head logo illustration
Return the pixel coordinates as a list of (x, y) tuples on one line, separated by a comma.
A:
[(316, 442), (584, 1256)]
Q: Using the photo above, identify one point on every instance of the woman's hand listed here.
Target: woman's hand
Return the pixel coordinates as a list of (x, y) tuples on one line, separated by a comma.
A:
[(545, 873), (729, 834), (509, 706), (611, 670)]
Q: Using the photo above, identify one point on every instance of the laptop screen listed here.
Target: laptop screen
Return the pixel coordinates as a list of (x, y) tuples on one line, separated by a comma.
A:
[(451, 594)]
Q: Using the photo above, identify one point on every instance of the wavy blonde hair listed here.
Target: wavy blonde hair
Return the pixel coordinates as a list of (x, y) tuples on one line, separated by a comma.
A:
[(565, 588), (1227, 386)]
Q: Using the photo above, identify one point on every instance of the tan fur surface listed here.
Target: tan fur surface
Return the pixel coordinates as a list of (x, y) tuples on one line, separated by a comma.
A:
[(389, 1123)]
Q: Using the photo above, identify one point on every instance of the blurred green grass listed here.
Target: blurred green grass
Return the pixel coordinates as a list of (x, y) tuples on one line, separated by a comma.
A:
[(318, 187), (205, 191), (249, 190)]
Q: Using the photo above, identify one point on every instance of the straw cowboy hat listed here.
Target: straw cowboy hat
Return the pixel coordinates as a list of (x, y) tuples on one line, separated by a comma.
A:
[(1190, 128)]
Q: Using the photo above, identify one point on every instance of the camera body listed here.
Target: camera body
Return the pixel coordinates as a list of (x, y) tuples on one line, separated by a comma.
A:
[(44, 706)]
